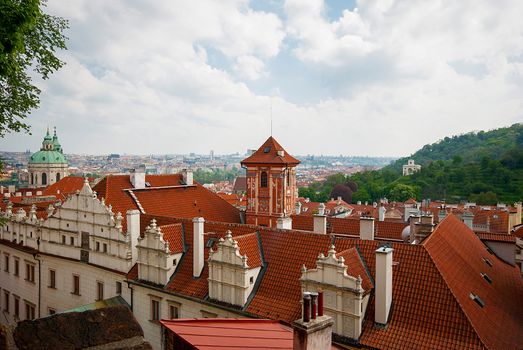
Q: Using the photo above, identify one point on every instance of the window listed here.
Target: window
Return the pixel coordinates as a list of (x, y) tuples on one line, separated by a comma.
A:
[(251, 280), (76, 285), (105, 247), (44, 178), (71, 239), (29, 311), (6, 265), (99, 290), (267, 149), (477, 299), (52, 279), (173, 311), (51, 311), (155, 310), (57, 177), (29, 272), (17, 267), (97, 246), (263, 179), (6, 301), (16, 310), (174, 262), (118, 287), (486, 277), (63, 240)]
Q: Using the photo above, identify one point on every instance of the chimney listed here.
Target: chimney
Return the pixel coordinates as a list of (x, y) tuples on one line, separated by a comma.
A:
[(383, 284), (133, 231), (187, 177), (320, 220), (137, 177), (314, 330), (441, 215), (298, 207), (468, 219), (414, 219), (424, 228), (381, 213), (284, 223), (198, 255), (367, 228), (519, 218)]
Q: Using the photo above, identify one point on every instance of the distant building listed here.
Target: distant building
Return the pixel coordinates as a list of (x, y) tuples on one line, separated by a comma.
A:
[(48, 165), (411, 168)]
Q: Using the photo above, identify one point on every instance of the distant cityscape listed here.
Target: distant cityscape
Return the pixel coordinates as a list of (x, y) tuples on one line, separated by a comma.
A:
[(313, 168)]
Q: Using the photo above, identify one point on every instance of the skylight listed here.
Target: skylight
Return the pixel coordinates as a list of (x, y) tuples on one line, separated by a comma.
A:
[(486, 277), (477, 299), (210, 242), (267, 149), (487, 261)]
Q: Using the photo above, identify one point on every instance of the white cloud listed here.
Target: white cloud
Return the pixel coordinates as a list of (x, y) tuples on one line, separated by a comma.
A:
[(386, 78)]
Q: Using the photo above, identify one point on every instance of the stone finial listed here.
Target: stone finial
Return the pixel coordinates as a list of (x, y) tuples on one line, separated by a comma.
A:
[(341, 261), (32, 212), (9, 208), (50, 210), (153, 225), (118, 220), (332, 251), (303, 268), (20, 214), (86, 180), (228, 234)]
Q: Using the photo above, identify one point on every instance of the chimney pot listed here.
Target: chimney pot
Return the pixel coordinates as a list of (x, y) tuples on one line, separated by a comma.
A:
[(314, 299), (306, 307), (320, 303)]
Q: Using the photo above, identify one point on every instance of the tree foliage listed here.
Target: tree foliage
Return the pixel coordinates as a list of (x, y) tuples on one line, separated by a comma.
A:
[(28, 41)]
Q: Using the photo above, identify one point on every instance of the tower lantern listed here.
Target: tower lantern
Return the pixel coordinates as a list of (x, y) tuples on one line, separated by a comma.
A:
[(271, 184)]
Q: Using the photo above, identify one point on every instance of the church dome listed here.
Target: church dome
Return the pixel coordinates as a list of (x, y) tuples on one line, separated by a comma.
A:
[(47, 157), (50, 153)]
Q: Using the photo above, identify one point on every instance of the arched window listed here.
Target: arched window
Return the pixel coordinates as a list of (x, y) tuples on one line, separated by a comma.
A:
[(263, 179), (44, 179), (36, 179), (57, 177), (32, 179)]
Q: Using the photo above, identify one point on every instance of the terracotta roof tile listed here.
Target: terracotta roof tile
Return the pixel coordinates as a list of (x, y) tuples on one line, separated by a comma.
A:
[(67, 185), (498, 237), (355, 267), (249, 245), (268, 154), (459, 256), (174, 235)]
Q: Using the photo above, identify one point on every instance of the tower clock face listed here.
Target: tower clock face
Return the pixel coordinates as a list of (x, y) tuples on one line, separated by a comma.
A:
[(263, 205)]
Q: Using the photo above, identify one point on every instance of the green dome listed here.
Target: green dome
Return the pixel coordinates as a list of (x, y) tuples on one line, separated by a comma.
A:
[(47, 157)]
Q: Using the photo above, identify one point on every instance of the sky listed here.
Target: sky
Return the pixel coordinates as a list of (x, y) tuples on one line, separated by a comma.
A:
[(376, 78)]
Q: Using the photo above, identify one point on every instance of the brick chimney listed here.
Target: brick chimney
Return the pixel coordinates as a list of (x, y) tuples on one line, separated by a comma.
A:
[(383, 284), (198, 255), (137, 177), (468, 219), (314, 330), (424, 227), (367, 228), (320, 220)]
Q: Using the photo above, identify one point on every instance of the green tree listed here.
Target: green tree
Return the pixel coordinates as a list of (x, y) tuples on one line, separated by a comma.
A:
[(401, 192), (28, 40)]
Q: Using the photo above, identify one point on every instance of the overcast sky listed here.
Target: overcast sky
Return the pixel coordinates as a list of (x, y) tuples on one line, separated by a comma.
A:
[(379, 78)]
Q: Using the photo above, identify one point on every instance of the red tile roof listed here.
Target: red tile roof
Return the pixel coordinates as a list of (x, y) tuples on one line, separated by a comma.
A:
[(249, 245), (459, 256), (389, 229), (67, 185), (241, 333), (240, 184), (268, 154), (180, 201), (355, 267), (518, 231), (173, 234), (431, 285), (497, 237)]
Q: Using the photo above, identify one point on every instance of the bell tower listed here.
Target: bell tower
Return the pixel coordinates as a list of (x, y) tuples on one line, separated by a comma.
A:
[(271, 184)]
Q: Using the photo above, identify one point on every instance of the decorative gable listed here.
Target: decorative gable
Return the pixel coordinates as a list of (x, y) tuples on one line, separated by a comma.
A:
[(156, 263), (231, 279), (345, 297)]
